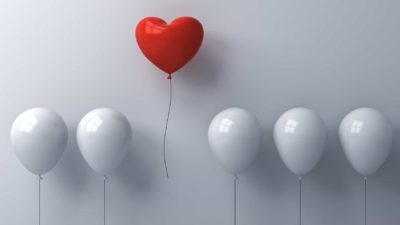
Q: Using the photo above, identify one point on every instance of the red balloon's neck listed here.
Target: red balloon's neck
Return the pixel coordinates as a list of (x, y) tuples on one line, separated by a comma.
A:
[(169, 76)]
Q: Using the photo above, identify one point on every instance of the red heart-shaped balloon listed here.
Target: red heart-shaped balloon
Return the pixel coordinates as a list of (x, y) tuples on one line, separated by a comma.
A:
[(169, 46)]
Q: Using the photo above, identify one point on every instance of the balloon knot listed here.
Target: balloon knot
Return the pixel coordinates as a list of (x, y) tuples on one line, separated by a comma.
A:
[(40, 177), (169, 76), (105, 177)]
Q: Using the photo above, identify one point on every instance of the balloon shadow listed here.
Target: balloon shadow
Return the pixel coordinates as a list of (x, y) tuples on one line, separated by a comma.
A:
[(136, 170), (267, 170), (387, 175), (331, 171), (204, 68), (71, 171)]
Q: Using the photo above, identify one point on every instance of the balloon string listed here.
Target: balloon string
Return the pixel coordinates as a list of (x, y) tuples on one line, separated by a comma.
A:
[(300, 184), (39, 198), (365, 200), (104, 199), (234, 198), (166, 126)]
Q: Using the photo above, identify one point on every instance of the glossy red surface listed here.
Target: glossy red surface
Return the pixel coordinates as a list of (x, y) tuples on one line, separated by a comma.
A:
[(169, 46)]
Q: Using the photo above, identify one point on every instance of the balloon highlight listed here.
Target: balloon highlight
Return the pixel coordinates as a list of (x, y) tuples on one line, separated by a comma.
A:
[(366, 138), (104, 137), (234, 136), (300, 136), (39, 137)]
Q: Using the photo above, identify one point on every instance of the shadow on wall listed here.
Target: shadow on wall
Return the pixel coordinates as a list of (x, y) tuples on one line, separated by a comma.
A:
[(137, 171), (270, 172), (388, 174), (334, 171), (268, 167), (331, 171), (204, 68), (72, 171)]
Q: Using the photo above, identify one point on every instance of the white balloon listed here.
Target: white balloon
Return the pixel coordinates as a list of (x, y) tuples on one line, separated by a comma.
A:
[(300, 137), (234, 136), (104, 136), (39, 137), (366, 138)]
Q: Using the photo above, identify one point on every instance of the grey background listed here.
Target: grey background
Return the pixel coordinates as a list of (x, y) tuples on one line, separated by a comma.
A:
[(265, 56)]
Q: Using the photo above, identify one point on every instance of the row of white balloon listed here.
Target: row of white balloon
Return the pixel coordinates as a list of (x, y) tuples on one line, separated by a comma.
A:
[(39, 137), (300, 135)]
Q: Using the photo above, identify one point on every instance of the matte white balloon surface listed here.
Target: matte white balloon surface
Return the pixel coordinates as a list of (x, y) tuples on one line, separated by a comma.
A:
[(234, 136), (39, 137), (300, 137), (104, 137), (366, 138)]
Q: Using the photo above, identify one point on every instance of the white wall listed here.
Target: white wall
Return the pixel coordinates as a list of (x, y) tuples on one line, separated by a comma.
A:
[(266, 56)]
